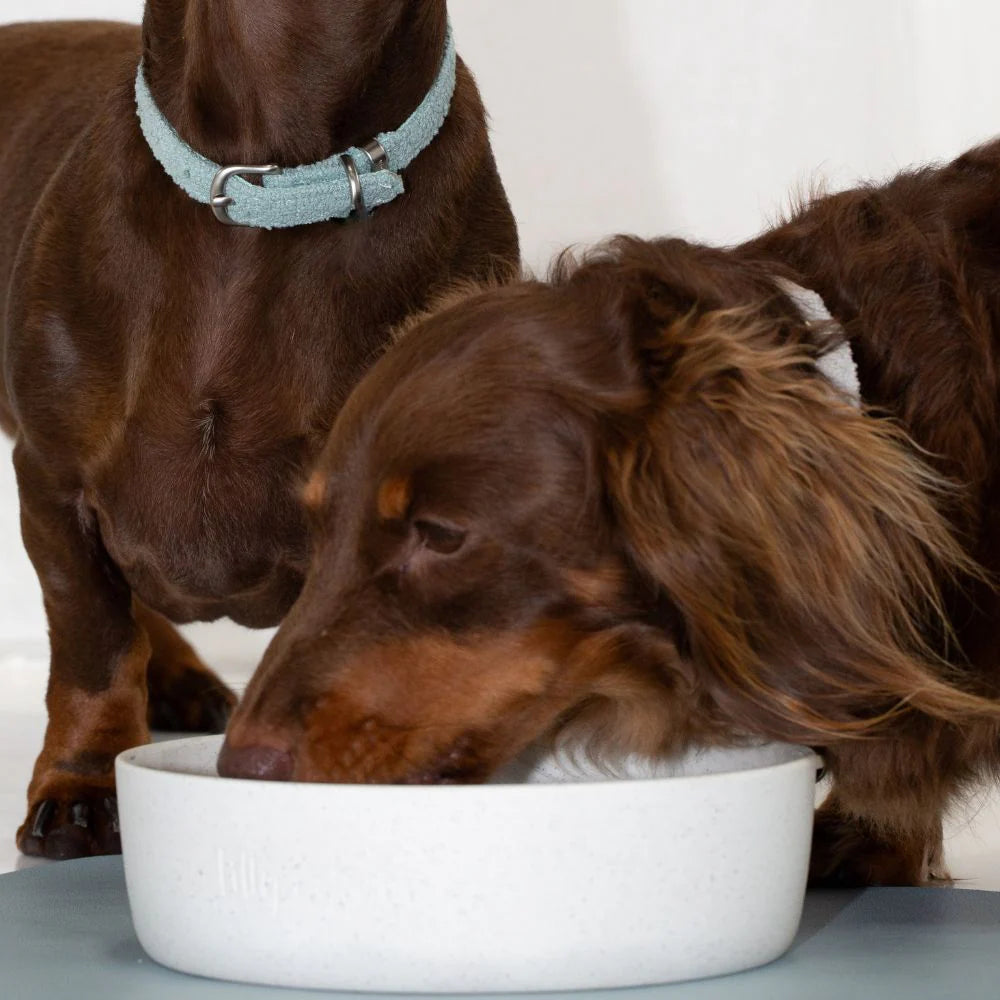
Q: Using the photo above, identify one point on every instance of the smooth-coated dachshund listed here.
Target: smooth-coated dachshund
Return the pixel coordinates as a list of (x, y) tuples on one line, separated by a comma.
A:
[(169, 380)]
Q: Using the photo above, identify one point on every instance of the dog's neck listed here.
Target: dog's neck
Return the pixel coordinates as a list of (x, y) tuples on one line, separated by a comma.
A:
[(289, 81)]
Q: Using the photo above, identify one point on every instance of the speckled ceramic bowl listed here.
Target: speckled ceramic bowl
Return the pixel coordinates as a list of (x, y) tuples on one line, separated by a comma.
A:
[(560, 879)]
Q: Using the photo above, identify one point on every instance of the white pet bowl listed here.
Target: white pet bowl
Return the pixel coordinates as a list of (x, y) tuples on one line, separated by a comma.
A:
[(586, 882)]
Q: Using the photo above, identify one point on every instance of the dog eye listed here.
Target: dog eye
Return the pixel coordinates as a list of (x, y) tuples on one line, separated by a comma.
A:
[(440, 538)]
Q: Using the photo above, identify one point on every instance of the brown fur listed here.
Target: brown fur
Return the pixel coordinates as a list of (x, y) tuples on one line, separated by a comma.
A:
[(641, 463), (168, 380)]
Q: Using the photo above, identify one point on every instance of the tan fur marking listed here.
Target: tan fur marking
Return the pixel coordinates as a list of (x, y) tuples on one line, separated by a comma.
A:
[(394, 498), (103, 723), (599, 587), (314, 492)]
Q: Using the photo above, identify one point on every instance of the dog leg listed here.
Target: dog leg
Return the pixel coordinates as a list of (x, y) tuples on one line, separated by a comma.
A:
[(184, 695), (881, 824), (96, 696), (851, 851)]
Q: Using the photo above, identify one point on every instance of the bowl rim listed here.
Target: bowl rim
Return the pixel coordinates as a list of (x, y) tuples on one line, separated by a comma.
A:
[(798, 756)]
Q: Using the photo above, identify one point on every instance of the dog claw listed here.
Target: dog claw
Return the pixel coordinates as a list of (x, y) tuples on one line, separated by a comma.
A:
[(77, 827), (111, 808), (43, 816)]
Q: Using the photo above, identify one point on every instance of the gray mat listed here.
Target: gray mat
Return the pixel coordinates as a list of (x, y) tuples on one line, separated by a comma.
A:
[(65, 931)]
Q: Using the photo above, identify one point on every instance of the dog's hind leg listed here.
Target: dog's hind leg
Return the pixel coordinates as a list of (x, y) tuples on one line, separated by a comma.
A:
[(184, 694)]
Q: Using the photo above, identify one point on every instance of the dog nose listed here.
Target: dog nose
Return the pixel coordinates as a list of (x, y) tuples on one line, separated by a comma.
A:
[(260, 762)]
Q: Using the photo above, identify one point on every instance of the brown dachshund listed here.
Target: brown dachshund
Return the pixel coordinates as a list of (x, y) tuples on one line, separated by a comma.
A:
[(168, 378), (628, 507)]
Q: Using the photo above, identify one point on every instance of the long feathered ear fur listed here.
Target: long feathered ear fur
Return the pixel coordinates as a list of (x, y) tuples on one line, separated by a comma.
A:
[(801, 538)]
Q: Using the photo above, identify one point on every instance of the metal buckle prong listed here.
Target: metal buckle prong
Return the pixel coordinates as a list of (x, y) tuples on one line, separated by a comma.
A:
[(358, 206), (220, 201)]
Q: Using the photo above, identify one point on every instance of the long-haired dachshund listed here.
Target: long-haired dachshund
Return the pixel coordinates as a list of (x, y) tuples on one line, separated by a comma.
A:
[(628, 506)]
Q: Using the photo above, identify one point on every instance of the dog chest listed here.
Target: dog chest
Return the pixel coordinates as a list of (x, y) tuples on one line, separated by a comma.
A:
[(204, 522)]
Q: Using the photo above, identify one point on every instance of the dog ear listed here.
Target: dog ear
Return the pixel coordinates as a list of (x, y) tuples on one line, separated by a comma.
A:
[(801, 539)]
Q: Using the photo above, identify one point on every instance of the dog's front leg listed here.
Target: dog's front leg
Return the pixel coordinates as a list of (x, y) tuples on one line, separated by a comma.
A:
[(185, 696), (854, 851), (881, 824), (97, 683)]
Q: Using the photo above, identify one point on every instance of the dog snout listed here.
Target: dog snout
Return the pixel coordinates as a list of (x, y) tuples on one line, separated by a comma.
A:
[(257, 761)]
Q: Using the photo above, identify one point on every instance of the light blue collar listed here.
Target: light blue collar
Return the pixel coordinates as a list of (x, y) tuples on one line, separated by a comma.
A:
[(354, 181)]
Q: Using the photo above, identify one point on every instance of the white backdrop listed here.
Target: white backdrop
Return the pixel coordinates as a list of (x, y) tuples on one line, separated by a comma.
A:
[(652, 116)]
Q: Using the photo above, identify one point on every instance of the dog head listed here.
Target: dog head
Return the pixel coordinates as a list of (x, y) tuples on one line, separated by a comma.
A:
[(624, 504)]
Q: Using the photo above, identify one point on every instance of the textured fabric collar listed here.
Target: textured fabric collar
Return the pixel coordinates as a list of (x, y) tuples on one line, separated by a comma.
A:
[(837, 365), (354, 181)]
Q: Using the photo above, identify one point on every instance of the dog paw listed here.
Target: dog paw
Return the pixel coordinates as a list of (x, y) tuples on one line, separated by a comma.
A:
[(76, 823), (189, 699), (936, 871)]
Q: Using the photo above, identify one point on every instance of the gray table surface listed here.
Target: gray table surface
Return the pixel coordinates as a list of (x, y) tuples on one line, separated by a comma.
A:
[(65, 931)]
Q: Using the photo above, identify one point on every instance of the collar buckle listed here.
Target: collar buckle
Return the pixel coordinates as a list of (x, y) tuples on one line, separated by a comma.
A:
[(220, 201), (376, 153), (379, 160)]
